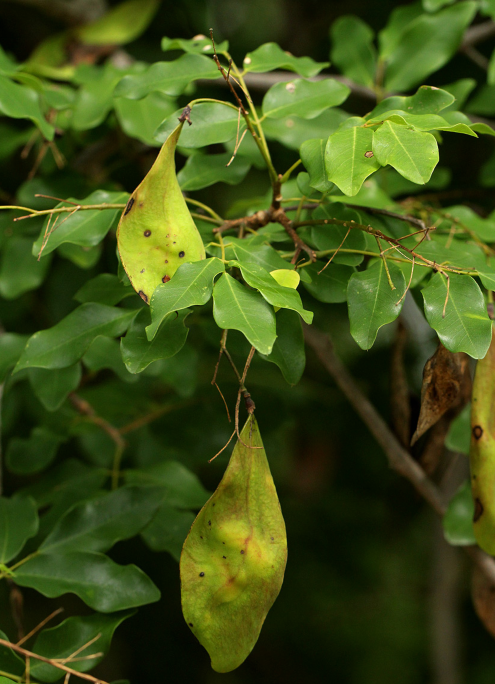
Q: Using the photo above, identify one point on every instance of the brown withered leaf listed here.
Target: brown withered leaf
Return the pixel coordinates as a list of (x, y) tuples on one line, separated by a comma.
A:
[(483, 595), (446, 385)]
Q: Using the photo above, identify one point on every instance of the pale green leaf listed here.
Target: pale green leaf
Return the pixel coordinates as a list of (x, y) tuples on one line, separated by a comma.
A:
[(201, 170), (353, 51), (270, 56), (412, 153), (306, 99), (349, 159)]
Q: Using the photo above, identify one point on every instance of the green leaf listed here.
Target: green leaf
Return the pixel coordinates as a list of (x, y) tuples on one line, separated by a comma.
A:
[(21, 102), (353, 51), (293, 131), (288, 351), (85, 228), (236, 307), (329, 286), (345, 158), (250, 252), (18, 523), (138, 352), (182, 488), (140, 118), (434, 5), (465, 326), (458, 520), (412, 153), (313, 157), (372, 302), (94, 101), (191, 285), (11, 347), (20, 271), (459, 434), (72, 635), (171, 78), (99, 523), (306, 99), (275, 294), (211, 123), (52, 386), (10, 661), (122, 24), (105, 353), (98, 581), (425, 122), (82, 257), (483, 102), (483, 228), (28, 456), (270, 56), (400, 18), (331, 237), (201, 171), (198, 45), (426, 44), (168, 530), (105, 288), (66, 342), (426, 100), (4, 680)]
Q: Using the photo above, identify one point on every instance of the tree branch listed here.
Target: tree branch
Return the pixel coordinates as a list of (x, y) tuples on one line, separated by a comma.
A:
[(398, 458)]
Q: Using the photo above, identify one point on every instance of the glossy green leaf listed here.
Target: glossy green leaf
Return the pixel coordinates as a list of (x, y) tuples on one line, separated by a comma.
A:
[(11, 347), (270, 56), (458, 520), (4, 680), (288, 351), (140, 118), (18, 523), (104, 352), (251, 252), (331, 237), (98, 581), (197, 45), (275, 294), (33, 454), (353, 51), (121, 24), (52, 386), (313, 157), (465, 326), (20, 102), (483, 228), (412, 153), (72, 635), (97, 524), (182, 488), (19, 271), (191, 285), (459, 434), (329, 286), (85, 228), (138, 352), (105, 288), (82, 257), (372, 302), (306, 99), (426, 44), (211, 123), (293, 130), (168, 530), (239, 308), (170, 78), (347, 158), (66, 342), (94, 101), (201, 171), (426, 100)]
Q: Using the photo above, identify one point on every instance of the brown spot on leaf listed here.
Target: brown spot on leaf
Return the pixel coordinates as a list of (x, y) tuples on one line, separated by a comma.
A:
[(191, 624), (165, 279), (182, 254), (143, 296), (369, 154), (477, 432), (478, 510), (129, 206), (147, 233), (201, 574), (242, 550)]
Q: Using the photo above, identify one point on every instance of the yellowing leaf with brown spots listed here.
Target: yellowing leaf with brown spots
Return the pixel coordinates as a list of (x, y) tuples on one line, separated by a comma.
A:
[(156, 232), (233, 560), (482, 450)]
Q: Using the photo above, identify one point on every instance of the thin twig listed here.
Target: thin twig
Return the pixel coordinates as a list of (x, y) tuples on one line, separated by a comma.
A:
[(50, 661), (157, 413), (40, 626)]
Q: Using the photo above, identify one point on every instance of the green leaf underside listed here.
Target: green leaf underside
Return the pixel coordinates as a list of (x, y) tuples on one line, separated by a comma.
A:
[(345, 158), (66, 342), (372, 303), (233, 560), (236, 307), (466, 326), (98, 581), (191, 285)]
